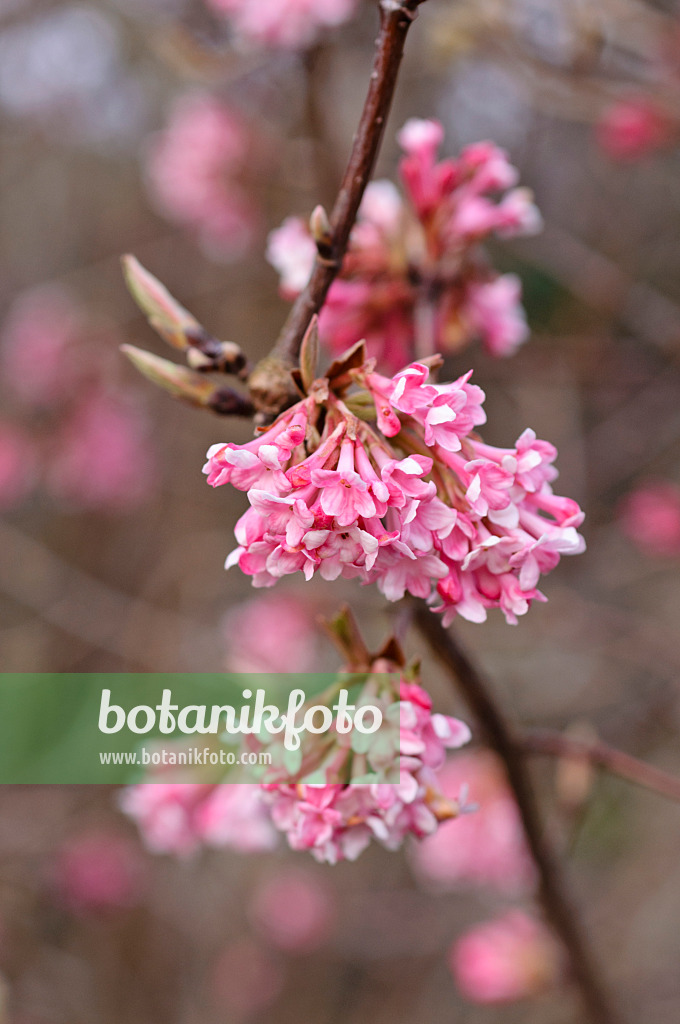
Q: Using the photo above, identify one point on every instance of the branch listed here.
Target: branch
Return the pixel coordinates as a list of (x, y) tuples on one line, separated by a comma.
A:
[(501, 737), (270, 383), (556, 744)]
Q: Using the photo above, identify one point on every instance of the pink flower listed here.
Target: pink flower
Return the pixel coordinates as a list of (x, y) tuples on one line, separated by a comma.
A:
[(478, 534), (632, 128), (39, 346), (487, 846), (195, 169), (18, 465), (283, 24), (495, 313), (180, 817), (413, 280), (512, 957), (166, 814), (102, 457), (98, 871), (293, 910), (650, 516), (291, 251), (274, 633)]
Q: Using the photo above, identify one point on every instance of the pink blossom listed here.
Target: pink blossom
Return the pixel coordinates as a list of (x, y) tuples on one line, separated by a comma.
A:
[(39, 346), (494, 312), (98, 871), (166, 814), (102, 457), (195, 168), (273, 633), (632, 128), (18, 465), (293, 910), (477, 534), (650, 516), (413, 280), (283, 24), (509, 958), (291, 251), (180, 817), (487, 847)]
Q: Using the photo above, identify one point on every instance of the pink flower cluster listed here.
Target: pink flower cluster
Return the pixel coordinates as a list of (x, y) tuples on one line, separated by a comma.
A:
[(283, 24), (179, 817), (510, 958), (337, 821), (56, 366), (487, 848), (195, 169), (650, 516), (414, 281), (384, 788), (465, 525)]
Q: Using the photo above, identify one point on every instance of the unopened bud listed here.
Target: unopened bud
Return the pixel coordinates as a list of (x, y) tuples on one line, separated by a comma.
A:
[(321, 231), (179, 381), (171, 320)]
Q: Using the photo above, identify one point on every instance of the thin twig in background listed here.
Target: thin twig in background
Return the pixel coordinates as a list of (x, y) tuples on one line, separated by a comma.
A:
[(556, 744), (500, 734)]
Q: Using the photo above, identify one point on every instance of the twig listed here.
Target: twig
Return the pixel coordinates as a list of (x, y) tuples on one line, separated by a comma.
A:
[(501, 737), (270, 383), (556, 744)]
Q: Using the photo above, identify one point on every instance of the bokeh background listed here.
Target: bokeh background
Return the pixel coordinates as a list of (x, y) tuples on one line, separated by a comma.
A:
[(112, 546)]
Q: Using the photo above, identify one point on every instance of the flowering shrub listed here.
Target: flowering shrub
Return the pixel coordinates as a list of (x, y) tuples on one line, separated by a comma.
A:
[(417, 504), (414, 280)]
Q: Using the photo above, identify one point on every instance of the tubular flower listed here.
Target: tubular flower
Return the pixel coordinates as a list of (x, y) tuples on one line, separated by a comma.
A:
[(414, 280), (386, 786), (416, 503)]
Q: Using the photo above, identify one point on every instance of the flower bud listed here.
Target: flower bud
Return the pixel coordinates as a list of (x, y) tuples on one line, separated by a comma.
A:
[(173, 322)]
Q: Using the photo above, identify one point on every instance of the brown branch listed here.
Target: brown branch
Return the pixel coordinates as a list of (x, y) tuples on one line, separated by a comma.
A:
[(556, 744), (500, 734), (270, 383)]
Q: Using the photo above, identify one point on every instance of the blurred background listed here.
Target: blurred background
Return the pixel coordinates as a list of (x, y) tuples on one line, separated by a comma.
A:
[(173, 130)]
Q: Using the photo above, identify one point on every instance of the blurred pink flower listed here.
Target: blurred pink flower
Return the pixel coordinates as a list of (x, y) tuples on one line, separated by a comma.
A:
[(509, 958), (180, 817), (285, 24), (99, 871), (18, 464), (414, 280), (37, 351), (632, 128), (246, 979), (102, 457), (196, 168), (273, 633), (293, 910), (650, 516), (485, 847)]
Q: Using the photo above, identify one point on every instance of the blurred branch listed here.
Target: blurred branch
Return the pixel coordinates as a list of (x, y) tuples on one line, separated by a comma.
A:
[(270, 383), (501, 736), (556, 744)]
